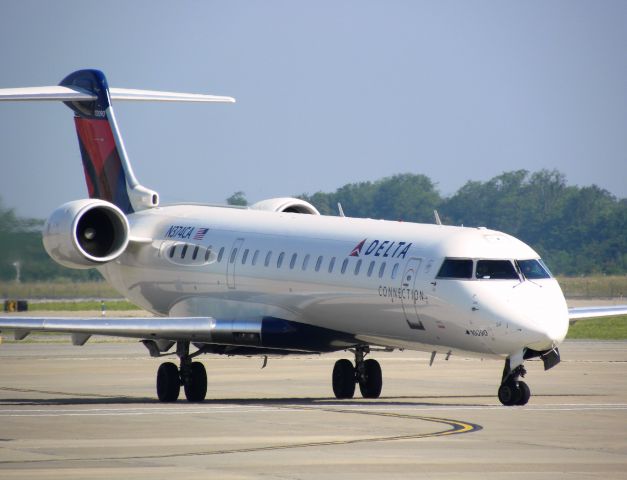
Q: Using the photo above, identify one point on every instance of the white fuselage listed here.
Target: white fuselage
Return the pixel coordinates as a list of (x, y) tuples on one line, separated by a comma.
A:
[(231, 263)]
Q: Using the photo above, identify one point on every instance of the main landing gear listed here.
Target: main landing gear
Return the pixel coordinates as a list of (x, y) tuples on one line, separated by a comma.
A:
[(367, 373), (512, 390), (192, 375)]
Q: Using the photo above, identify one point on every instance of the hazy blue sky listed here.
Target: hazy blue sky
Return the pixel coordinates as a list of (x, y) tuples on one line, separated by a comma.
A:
[(329, 92)]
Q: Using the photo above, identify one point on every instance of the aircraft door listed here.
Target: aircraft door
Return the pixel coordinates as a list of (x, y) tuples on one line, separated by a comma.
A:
[(234, 255), (409, 294)]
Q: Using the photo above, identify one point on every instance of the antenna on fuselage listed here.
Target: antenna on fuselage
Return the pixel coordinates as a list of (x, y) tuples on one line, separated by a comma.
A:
[(340, 209), (437, 217)]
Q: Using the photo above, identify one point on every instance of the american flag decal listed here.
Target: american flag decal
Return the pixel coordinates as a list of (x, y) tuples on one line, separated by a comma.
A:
[(200, 233)]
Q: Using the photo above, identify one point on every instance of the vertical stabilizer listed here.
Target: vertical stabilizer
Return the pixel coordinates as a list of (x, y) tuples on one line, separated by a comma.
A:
[(108, 172)]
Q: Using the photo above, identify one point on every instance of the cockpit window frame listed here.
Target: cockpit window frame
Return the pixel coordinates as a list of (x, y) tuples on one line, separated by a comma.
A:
[(456, 259), (524, 272)]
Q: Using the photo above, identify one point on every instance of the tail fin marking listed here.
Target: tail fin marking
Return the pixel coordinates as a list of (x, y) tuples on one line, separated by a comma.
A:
[(104, 174)]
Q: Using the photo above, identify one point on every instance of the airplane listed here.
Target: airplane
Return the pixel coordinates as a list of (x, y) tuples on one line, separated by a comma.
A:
[(278, 278)]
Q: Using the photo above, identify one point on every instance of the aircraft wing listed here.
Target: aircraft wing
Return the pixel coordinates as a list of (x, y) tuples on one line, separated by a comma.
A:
[(595, 312), (196, 329), (267, 333)]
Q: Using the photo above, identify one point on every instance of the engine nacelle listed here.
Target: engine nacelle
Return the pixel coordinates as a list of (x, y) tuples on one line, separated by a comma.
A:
[(86, 233), (287, 205)]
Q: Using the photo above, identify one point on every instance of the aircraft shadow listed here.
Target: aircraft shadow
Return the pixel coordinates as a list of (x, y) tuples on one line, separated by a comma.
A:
[(330, 402)]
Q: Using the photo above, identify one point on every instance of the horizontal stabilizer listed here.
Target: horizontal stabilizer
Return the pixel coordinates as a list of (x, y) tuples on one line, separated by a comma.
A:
[(75, 94), (154, 95), (55, 92)]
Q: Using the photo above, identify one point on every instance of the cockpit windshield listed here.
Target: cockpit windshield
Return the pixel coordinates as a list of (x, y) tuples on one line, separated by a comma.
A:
[(456, 268), (496, 270), (533, 269), (467, 269)]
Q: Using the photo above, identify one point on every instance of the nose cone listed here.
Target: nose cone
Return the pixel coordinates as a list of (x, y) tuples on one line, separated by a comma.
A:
[(546, 328), (543, 315)]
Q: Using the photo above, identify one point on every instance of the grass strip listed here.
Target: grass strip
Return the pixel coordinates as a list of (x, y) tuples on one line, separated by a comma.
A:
[(608, 328), (69, 306)]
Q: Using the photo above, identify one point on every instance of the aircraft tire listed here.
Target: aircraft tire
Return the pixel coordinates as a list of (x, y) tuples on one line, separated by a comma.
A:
[(196, 388), (371, 387), (525, 393), (343, 379), (168, 382), (509, 393)]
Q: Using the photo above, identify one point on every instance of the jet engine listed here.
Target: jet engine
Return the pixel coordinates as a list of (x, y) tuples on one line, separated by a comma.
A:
[(86, 233), (287, 205)]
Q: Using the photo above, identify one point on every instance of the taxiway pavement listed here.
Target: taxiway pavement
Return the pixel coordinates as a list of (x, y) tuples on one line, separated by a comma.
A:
[(90, 412)]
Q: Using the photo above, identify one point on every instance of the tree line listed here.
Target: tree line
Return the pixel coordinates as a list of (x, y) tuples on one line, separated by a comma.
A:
[(577, 230), (21, 248)]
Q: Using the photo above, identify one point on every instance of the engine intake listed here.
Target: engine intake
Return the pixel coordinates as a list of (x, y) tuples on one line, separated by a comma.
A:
[(286, 205), (86, 233)]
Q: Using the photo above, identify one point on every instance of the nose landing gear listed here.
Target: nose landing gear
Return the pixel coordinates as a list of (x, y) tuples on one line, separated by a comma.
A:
[(367, 373), (512, 390)]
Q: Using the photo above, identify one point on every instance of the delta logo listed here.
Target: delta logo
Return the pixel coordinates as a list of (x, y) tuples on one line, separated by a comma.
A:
[(378, 248)]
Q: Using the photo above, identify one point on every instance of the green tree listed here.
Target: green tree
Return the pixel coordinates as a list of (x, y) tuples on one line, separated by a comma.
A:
[(579, 230), (238, 198), (405, 197), (20, 241)]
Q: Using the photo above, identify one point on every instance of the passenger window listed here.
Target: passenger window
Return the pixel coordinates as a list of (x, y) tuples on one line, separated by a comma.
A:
[(220, 254), (496, 270), (318, 263), (293, 261), (331, 265), (533, 269), (279, 261), (382, 270), (244, 257), (371, 268), (233, 255), (208, 253), (195, 253), (184, 251), (357, 267), (172, 250), (394, 271), (344, 265), (456, 268), (306, 262), (255, 257), (268, 258)]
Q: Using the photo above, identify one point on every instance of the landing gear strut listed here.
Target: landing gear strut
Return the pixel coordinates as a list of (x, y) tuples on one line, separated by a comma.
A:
[(367, 373), (192, 375), (512, 390)]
